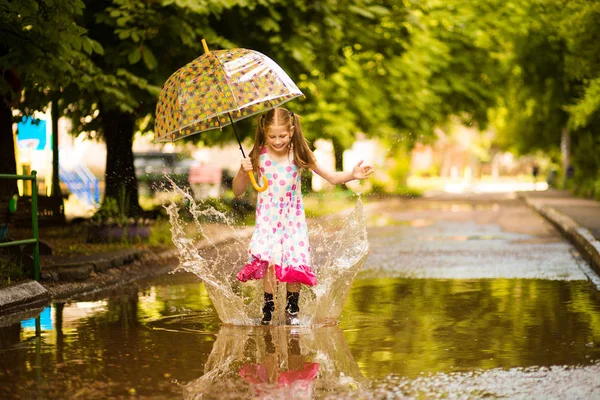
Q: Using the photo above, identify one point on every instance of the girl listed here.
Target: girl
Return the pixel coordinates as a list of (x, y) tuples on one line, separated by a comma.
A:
[(279, 247)]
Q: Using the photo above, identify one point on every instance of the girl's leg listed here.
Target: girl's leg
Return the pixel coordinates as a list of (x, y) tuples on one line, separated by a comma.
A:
[(269, 288), (269, 280), (292, 309)]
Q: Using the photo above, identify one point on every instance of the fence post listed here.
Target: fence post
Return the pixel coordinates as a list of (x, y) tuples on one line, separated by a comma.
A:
[(34, 221), (34, 226)]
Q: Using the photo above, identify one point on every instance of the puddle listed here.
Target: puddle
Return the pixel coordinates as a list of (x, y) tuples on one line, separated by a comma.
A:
[(402, 336), (502, 313)]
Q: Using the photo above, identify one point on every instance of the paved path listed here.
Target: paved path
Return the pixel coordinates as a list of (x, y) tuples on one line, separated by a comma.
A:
[(468, 237), (577, 219)]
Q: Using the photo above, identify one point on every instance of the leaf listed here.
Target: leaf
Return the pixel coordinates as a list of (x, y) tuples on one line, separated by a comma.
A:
[(87, 45), (381, 11), (149, 58), (134, 56), (97, 47), (123, 33), (362, 12)]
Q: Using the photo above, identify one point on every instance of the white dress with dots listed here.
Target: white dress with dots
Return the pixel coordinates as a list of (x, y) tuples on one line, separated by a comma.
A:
[(281, 235)]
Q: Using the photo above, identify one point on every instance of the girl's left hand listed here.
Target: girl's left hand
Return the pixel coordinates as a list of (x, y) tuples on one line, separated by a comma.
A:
[(362, 172)]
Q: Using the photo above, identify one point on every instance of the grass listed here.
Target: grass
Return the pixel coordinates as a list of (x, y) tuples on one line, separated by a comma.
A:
[(320, 204), (72, 239), (10, 271)]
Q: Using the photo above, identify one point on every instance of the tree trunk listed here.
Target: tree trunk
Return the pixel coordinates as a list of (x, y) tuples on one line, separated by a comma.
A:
[(338, 152), (565, 149), (120, 180), (55, 161), (8, 162)]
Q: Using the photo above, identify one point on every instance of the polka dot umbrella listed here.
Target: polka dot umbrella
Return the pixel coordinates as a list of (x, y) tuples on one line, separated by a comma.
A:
[(220, 88)]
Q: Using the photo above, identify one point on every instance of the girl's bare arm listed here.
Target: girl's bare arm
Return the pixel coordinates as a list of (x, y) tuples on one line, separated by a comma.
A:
[(241, 180), (336, 177)]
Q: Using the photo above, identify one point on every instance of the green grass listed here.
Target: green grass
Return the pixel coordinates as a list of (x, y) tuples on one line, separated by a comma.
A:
[(321, 204), (10, 271)]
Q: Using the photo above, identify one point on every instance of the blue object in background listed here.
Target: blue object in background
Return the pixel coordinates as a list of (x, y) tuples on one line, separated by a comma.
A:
[(45, 320), (28, 133)]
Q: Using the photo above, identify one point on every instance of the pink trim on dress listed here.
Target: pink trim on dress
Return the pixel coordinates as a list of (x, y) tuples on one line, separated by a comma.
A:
[(303, 376), (300, 273), (257, 269)]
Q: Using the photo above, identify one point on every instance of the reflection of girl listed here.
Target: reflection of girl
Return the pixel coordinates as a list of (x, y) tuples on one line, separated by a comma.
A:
[(298, 377), (279, 247)]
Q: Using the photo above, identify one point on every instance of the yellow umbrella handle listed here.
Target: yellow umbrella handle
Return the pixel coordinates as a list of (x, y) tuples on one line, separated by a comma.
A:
[(255, 185)]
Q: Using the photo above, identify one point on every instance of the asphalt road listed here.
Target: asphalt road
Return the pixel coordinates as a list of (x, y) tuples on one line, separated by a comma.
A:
[(467, 237)]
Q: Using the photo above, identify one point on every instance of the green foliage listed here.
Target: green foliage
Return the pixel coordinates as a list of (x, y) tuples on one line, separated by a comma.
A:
[(44, 46), (393, 70), (111, 213), (586, 159), (400, 170), (10, 270), (160, 234), (322, 204), (553, 80)]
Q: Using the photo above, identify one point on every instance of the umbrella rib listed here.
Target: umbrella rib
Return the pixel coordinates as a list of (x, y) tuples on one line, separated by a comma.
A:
[(236, 105)]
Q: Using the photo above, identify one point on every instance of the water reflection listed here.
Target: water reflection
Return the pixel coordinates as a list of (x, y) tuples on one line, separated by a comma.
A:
[(414, 326), (277, 362), (164, 340)]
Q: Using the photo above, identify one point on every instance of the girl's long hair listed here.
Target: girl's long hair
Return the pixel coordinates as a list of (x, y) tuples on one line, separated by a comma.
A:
[(303, 155)]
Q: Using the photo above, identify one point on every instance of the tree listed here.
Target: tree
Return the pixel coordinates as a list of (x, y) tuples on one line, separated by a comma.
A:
[(41, 48), (133, 33), (552, 97)]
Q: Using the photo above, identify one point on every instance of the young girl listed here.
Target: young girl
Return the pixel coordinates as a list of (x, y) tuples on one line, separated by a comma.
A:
[(279, 247)]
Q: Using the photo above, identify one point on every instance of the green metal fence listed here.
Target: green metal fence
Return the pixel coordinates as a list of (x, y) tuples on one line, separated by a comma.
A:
[(34, 221)]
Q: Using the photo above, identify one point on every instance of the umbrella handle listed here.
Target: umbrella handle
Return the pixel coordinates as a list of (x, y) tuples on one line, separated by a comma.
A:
[(255, 185)]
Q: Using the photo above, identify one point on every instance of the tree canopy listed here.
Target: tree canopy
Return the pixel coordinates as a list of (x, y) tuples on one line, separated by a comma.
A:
[(390, 69)]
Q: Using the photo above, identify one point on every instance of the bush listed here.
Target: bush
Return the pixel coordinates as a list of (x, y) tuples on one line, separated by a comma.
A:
[(586, 162), (11, 269)]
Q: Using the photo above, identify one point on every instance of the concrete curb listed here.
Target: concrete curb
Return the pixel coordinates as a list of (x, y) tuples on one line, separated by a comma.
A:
[(64, 280), (581, 237), (136, 269), (81, 270), (23, 295)]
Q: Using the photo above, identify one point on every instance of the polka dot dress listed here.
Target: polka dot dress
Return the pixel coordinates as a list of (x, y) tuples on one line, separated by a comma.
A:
[(280, 236)]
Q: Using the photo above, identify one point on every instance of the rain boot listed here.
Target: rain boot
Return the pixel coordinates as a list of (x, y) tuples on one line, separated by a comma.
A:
[(292, 309), (268, 309)]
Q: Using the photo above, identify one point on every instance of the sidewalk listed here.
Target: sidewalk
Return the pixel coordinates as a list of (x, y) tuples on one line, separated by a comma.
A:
[(576, 218)]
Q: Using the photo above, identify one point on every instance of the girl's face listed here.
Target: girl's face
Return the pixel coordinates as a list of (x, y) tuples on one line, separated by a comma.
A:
[(278, 139)]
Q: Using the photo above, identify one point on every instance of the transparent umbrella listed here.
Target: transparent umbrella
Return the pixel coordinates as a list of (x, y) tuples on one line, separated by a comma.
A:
[(220, 88)]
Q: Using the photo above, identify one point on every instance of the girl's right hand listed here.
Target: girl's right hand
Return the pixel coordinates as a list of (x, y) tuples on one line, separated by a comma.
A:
[(246, 164)]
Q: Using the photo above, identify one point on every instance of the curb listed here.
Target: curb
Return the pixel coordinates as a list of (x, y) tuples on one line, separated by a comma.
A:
[(136, 270), (581, 237), (63, 280), (23, 296), (81, 270)]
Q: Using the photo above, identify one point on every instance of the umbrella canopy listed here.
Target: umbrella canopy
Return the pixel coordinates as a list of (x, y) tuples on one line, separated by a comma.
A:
[(217, 89)]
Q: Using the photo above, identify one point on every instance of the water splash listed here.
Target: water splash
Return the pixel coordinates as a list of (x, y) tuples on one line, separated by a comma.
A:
[(339, 249)]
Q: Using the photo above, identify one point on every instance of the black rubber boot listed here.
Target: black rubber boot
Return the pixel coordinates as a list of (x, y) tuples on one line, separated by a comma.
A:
[(292, 309), (268, 309)]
